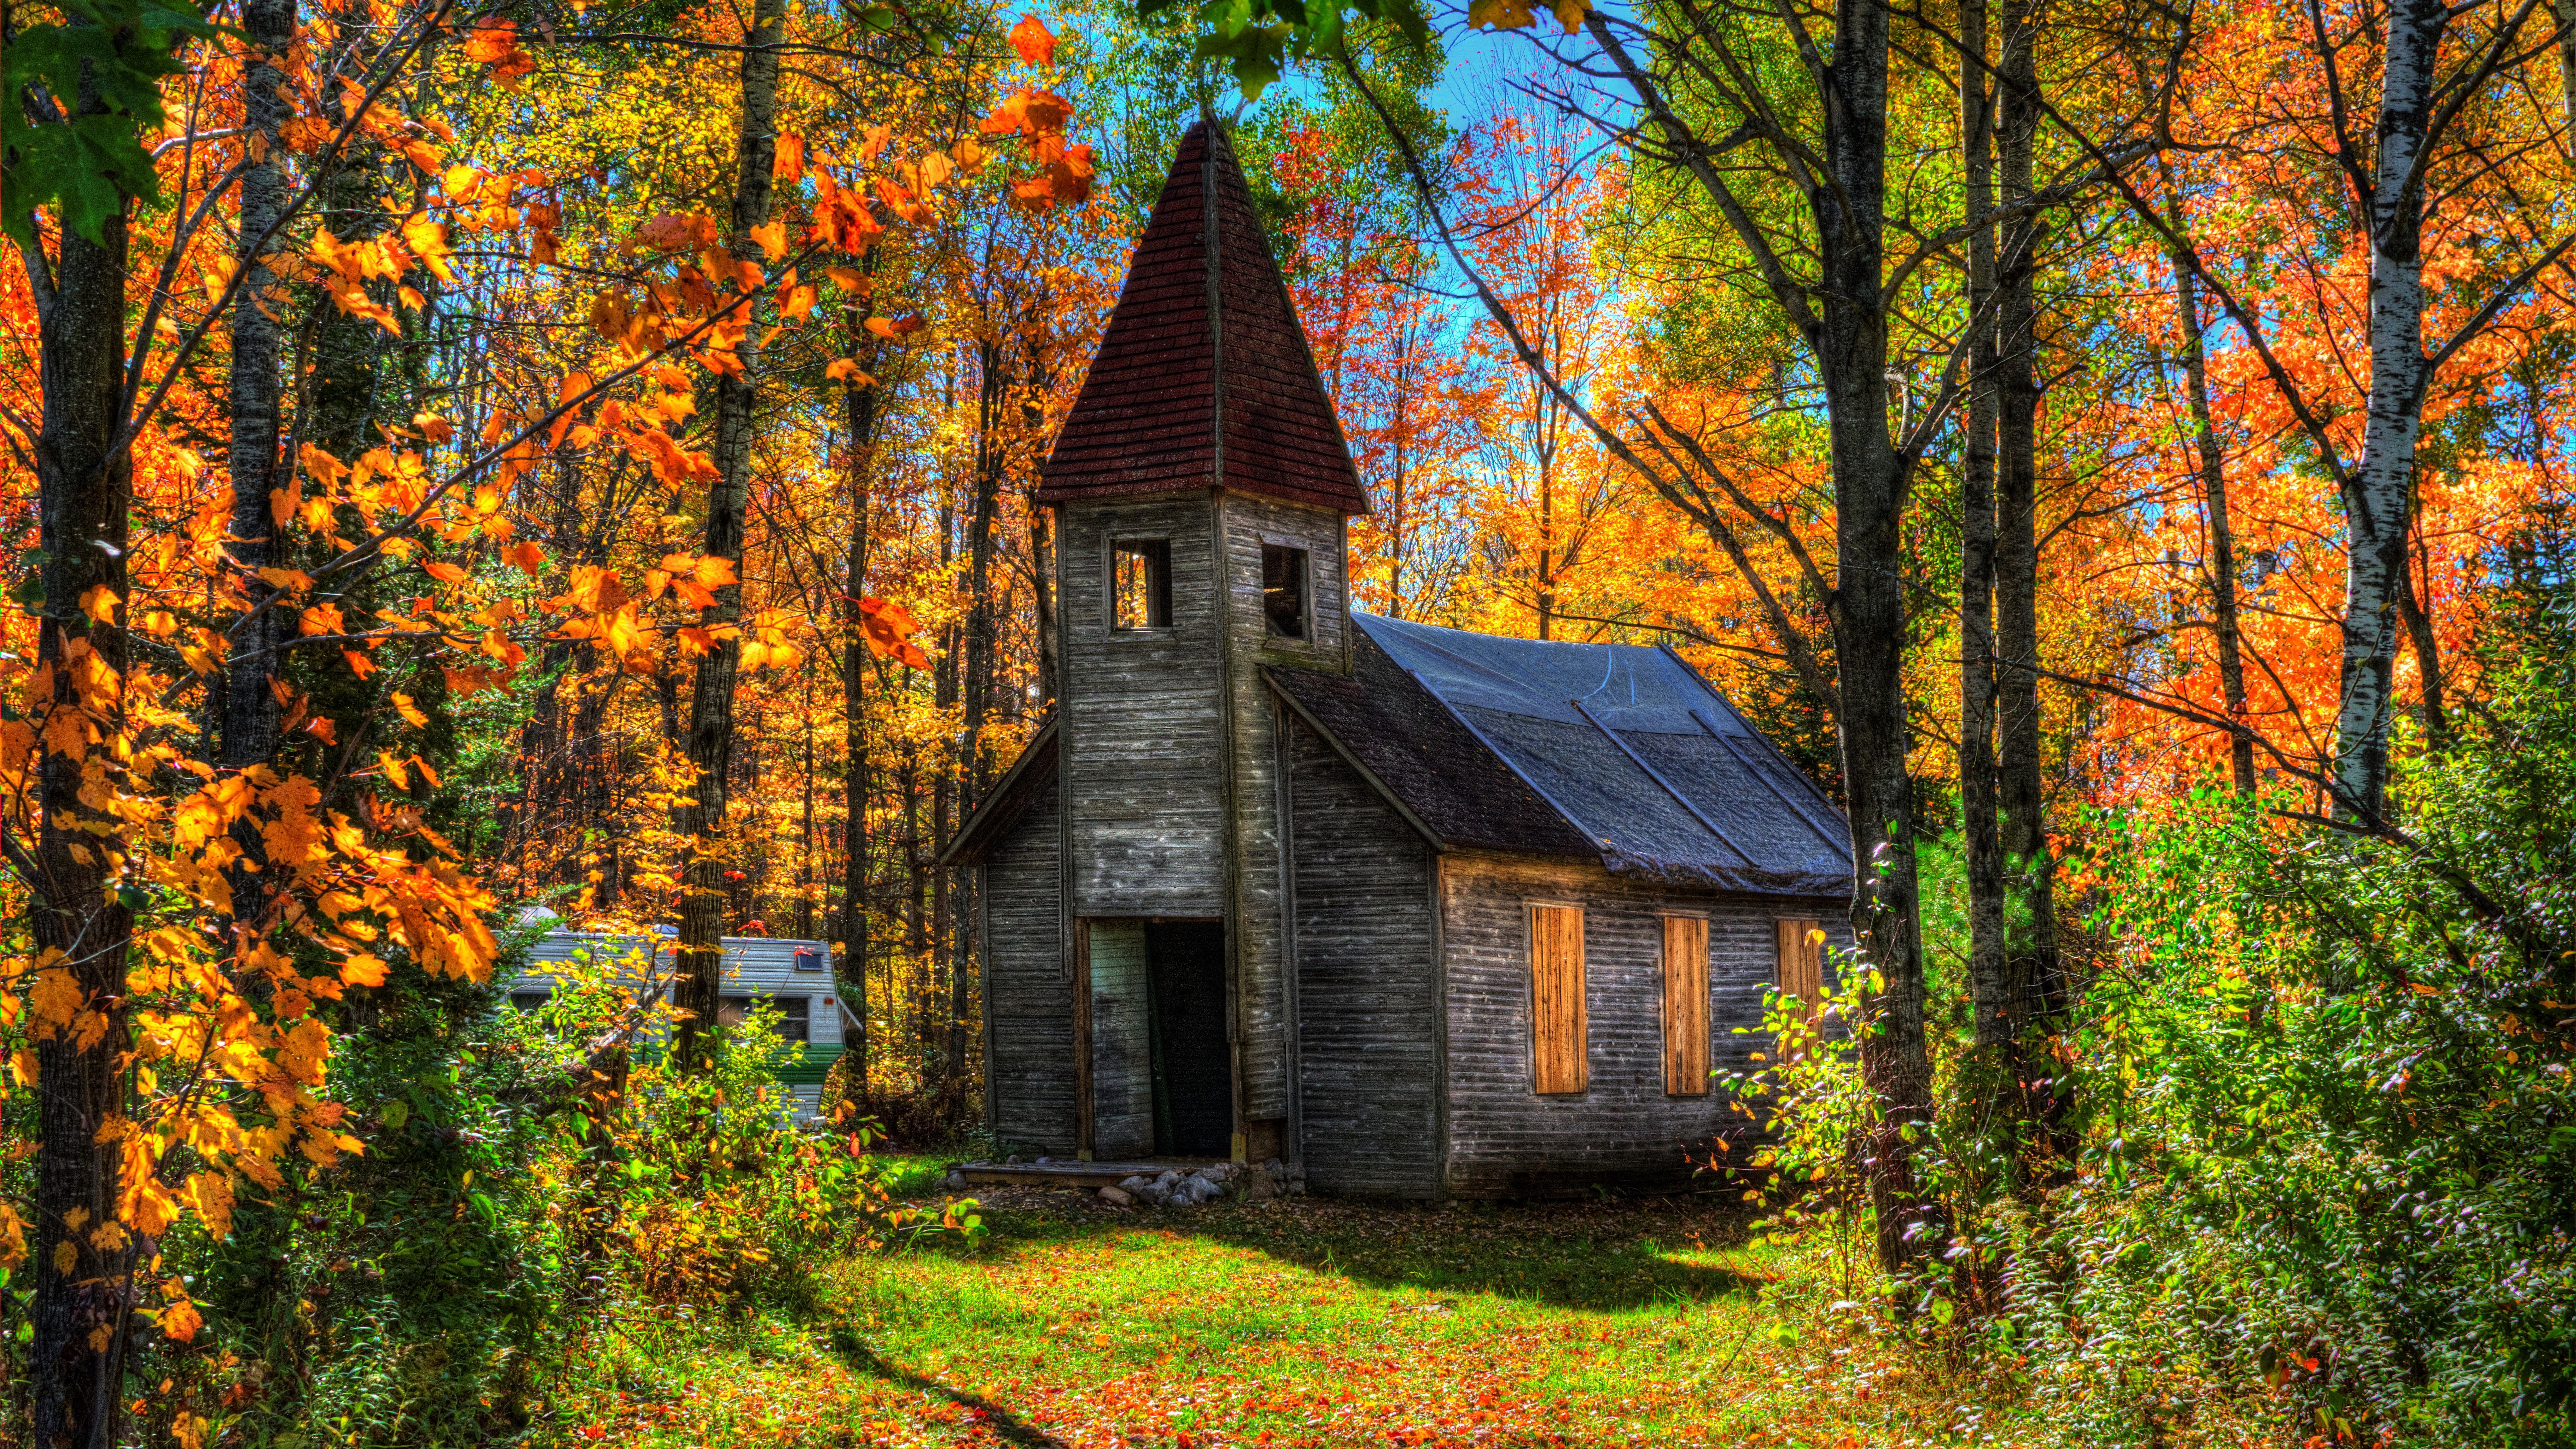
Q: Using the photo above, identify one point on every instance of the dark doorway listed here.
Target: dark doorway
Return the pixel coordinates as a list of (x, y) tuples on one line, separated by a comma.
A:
[(1193, 1075)]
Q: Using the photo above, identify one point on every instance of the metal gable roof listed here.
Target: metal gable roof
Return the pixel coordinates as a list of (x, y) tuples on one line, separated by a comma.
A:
[(1614, 750)]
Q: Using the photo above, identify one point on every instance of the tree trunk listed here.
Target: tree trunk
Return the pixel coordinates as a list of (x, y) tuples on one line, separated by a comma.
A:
[(250, 710), (2222, 529), (2428, 654), (2378, 493), (854, 684), (1041, 536), (2564, 13), (1871, 483), (2031, 952), (992, 460), (701, 819), (1980, 831), (80, 924)]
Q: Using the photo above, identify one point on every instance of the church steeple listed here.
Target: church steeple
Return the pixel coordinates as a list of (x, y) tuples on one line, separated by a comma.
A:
[(1204, 378)]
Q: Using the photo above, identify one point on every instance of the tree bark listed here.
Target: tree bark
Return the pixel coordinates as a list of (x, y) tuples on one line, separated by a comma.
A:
[(1980, 798), (80, 923), (855, 920), (1842, 316), (701, 821), (250, 710), (2222, 570), (2031, 956), (2418, 618), (2378, 494), (1871, 483), (992, 460)]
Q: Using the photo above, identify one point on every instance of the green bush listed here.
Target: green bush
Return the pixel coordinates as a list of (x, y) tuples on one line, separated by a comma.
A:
[(2329, 1173)]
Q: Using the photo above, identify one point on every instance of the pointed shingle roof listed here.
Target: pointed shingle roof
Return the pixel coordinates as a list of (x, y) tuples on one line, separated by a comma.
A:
[(1177, 398)]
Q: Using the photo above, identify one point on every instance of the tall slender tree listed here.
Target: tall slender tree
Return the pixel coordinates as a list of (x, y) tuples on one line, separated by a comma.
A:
[(710, 742)]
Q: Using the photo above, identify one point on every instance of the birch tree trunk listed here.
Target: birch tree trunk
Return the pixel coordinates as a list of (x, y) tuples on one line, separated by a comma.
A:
[(2378, 493), (701, 819)]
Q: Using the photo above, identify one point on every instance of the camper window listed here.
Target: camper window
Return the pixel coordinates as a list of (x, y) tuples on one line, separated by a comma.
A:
[(795, 1016)]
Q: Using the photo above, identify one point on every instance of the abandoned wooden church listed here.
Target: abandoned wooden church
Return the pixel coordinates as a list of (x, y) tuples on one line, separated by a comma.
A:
[(1437, 913)]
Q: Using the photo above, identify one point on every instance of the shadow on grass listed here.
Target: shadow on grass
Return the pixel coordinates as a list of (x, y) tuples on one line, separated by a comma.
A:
[(1588, 1257), (1004, 1424)]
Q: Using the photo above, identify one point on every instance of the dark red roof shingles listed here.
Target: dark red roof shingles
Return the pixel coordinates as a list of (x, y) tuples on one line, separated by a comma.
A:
[(1148, 418)]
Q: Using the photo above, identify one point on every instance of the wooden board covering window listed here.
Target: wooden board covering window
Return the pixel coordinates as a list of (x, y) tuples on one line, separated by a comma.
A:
[(1558, 1059), (1685, 1006), (1802, 964)]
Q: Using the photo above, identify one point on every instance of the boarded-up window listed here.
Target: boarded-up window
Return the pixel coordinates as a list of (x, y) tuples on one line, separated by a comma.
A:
[(1685, 1006), (1802, 964), (1557, 1056)]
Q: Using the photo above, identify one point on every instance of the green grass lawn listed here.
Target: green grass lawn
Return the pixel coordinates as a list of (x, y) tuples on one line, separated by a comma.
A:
[(1305, 1322)]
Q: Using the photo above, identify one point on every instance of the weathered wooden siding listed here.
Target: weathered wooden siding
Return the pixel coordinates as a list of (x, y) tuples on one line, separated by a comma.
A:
[(1504, 1138), (1122, 1059), (1028, 997), (1252, 520), (1367, 1007), (1143, 763)]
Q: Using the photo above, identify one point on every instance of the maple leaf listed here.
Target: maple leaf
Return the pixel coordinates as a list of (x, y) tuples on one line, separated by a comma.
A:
[(1031, 39), (772, 239), (496, 43)]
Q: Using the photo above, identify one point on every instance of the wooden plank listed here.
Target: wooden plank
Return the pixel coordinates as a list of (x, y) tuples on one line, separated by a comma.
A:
[(1086, 1131), (1560, 1055), (1073, 1174), (1122, 1067), (1624, 1129), (1367, 1014), (1802, 964), (1686, 1064), (1029, 1003)]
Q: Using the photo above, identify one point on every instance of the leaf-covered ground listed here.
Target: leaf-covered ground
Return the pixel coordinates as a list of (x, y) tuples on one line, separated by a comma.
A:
[(1307, 1322)]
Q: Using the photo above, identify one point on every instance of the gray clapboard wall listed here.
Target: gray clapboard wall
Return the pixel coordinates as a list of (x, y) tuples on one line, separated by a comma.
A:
[(1122, 1061), (1029, 999), (1143, 757), (1367, 1010), (1251, 521), (1507, 1140)]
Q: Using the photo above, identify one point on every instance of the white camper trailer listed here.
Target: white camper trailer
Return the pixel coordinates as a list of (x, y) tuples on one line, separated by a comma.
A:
[(796, 975)]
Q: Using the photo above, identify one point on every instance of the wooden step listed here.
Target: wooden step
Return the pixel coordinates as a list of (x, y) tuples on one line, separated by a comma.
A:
[(1064, 1173)]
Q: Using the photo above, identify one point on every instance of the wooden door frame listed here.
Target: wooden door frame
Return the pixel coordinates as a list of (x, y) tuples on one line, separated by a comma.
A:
[(1082, 1121), (1084, 1109)]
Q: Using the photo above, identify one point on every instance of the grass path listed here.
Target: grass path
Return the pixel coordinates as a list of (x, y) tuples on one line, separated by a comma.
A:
[(1301, 1323)]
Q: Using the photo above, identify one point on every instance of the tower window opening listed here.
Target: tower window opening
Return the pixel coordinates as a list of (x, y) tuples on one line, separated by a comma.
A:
[(1140, 583), (1283, 590)]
